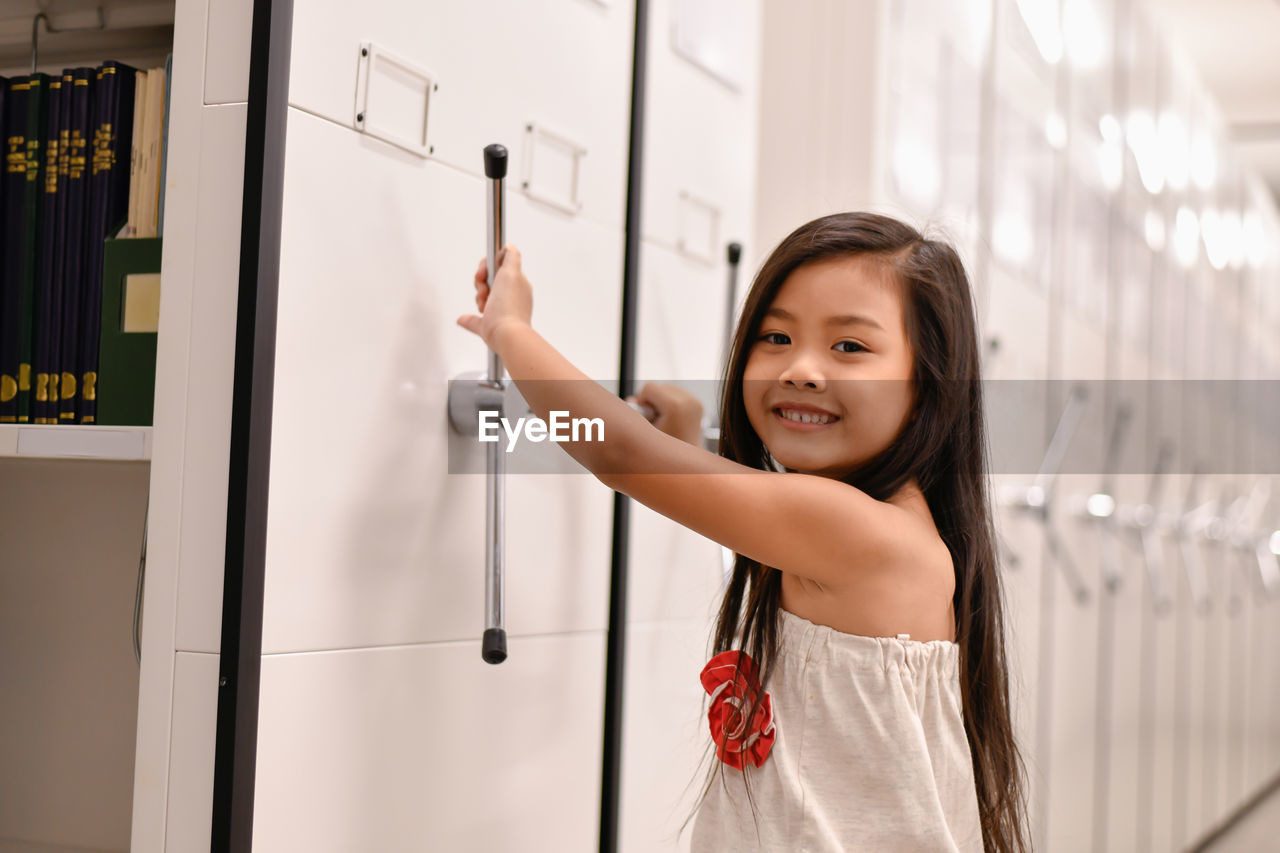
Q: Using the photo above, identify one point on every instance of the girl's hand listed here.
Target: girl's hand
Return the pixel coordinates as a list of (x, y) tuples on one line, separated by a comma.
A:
[(510, 300), (678, 413)]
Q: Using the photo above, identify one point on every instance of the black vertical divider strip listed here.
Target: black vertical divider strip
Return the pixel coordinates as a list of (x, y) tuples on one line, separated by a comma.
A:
[(235, 750), (615, 653)]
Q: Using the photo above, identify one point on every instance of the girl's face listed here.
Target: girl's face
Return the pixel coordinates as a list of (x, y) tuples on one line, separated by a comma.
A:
[(834, 341)]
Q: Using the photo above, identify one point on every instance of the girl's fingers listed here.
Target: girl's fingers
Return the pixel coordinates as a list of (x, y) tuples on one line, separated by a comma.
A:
[(510, 256)]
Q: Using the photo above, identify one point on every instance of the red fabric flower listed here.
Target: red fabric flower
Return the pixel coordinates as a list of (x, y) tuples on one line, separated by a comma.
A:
[(730, 678)]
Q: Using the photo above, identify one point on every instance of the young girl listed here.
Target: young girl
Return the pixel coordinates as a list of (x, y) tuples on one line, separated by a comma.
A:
[(859, 686)]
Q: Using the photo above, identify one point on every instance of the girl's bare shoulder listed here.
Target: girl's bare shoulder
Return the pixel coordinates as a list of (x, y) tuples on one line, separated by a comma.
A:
[(909, 592)]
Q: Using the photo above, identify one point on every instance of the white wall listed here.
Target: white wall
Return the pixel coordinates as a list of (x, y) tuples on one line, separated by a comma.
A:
[(1140, 731)]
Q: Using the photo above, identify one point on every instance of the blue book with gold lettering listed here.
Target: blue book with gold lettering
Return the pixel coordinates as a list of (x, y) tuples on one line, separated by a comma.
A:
[(4, 136), (79, 153), (37, 107), (108, 206), (13, 260), (44, 391), (23, 170), (57, 299)]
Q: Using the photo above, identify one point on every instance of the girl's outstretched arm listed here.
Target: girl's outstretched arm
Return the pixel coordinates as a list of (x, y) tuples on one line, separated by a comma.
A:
[(815, 527), (547, 380)]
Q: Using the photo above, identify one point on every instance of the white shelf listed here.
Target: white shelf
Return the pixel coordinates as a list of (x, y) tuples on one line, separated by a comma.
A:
[(9, 845), (39, 441)]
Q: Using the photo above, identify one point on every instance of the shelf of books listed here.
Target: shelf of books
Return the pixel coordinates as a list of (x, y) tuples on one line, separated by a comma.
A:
[(84, 118), (81, 220)]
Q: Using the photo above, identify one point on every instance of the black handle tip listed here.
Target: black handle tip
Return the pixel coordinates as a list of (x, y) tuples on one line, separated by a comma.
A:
[(495, 161), (735, 252), (494, 646)]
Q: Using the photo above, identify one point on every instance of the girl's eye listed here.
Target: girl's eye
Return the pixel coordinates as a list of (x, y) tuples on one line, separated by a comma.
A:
[(766, 337)]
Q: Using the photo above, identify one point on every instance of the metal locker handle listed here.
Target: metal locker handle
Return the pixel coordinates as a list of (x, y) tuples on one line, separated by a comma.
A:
[(471, 393), (711, 432), (1142, 522), (1188, 526), (1250, 540), (1232, 533), (1099, 508), (731, 298), (1036, 498), (494, 645), (1149, 532)]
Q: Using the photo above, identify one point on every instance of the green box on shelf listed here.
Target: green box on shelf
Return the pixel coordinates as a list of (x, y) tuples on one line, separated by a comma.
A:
[(127, 350)]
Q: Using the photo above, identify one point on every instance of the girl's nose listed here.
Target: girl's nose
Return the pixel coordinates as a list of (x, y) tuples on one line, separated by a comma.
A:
[(803, 371)]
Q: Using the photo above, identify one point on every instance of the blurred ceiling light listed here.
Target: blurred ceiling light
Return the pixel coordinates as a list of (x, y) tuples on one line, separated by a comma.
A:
[(1111, 153), (1110, 128), (1011, 239), (1233, 234), (916, 169), (1274, 542), (1145, 145), (1153, 231), (1211, 231), (1254, 240), (1100, 505), (1083, 34), (1204, 162), (1055, 131), (1174, 150), (1186, 237), (1041, 18), (978, 32), (1111, 165)]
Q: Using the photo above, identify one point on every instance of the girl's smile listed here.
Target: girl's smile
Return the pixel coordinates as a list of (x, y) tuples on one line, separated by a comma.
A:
[(804, 419)]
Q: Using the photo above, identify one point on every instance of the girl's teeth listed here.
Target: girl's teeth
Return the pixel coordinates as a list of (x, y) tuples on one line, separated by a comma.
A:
[(806, 418)]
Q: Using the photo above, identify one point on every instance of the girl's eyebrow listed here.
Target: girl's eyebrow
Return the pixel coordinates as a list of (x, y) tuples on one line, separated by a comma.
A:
[(838, 320)]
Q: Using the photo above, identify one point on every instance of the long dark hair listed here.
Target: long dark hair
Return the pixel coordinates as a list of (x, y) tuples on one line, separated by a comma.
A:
[(943, 447)]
